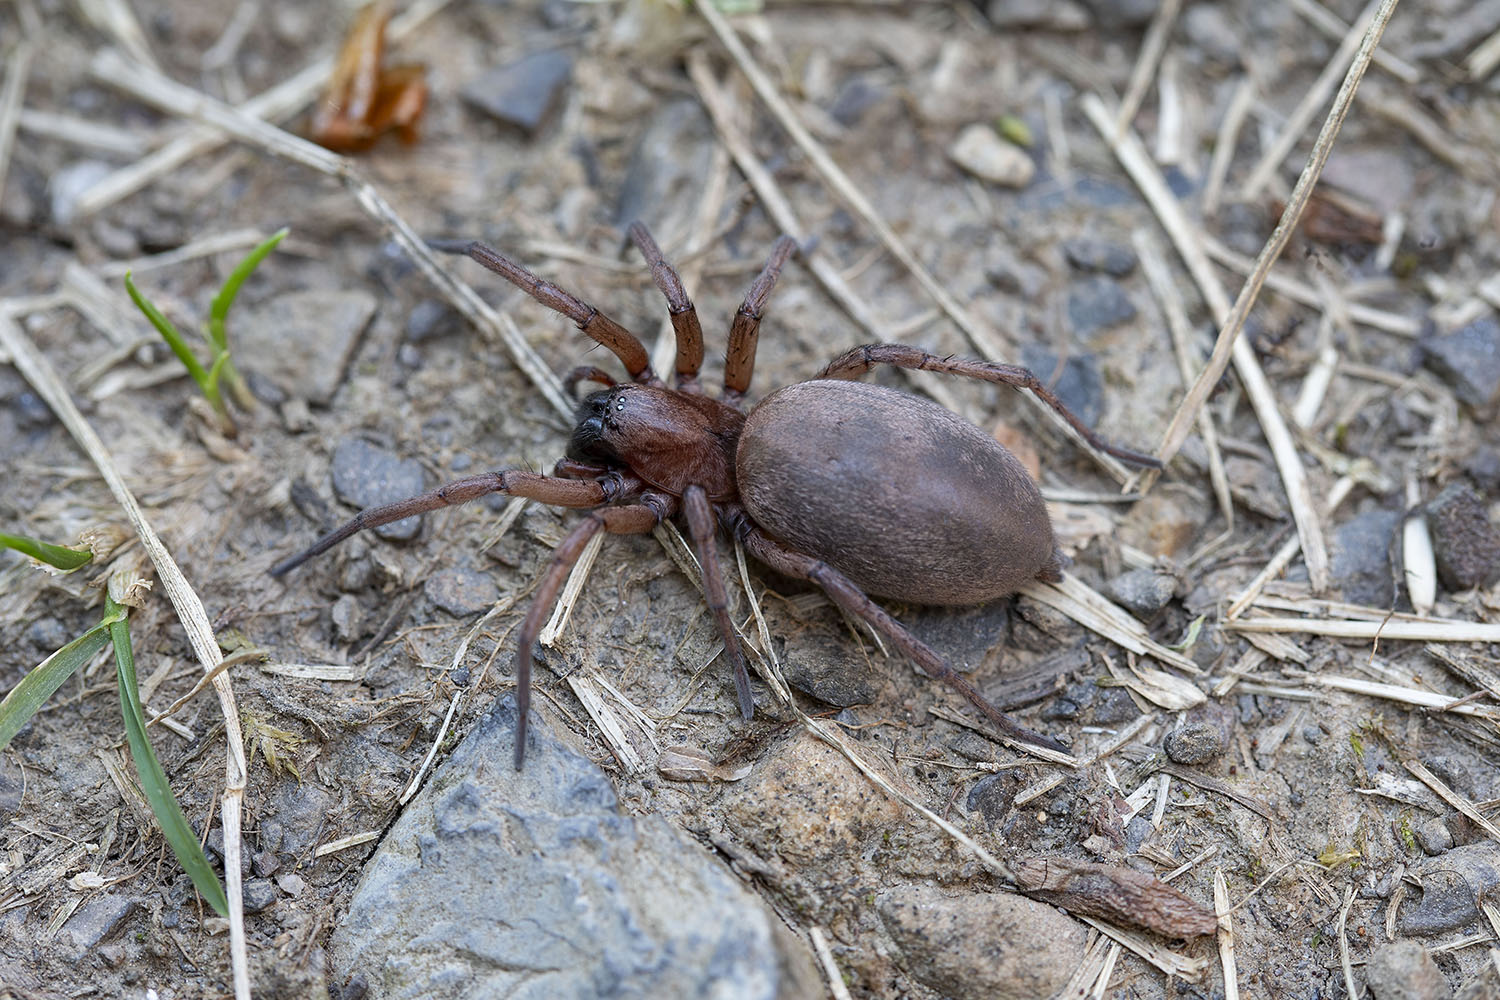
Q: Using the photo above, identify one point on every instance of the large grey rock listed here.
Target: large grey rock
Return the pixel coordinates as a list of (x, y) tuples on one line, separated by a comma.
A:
[(992, 945), (532, 884), (1452, 885), (1402, 970)]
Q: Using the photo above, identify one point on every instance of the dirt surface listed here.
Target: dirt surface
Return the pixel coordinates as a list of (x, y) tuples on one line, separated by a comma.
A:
[(1291, 785)]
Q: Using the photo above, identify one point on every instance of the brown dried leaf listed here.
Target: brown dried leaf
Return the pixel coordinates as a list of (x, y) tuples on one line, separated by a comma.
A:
[(1115, 893)]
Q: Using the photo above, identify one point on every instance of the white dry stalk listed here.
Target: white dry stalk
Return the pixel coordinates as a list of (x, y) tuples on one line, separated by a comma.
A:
[(1226, 937), (1152, 47), (610, 727), (989, 343), (1159, 277), (1483, 60), (1185, 237), (577, 578), (1319, 376), (38, 371), (416, 779), (204, 246), (1304, 294), (1192, 862), (1334, 26), (1431, 629), (1094, 611), (1168, 961), (1350, 988), (344, 843), (115, 18), (314, 671), (1170, 114), (12, 94), (1418, 561), (1454, 799), (1302, 116), (835, 978), (1225, 142)]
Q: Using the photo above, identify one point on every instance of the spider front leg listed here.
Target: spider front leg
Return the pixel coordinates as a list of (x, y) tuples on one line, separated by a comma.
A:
[(744, 334), (632, 519), (558, 492), (700, 518), (856, 362), (848, 596), (685, 325)]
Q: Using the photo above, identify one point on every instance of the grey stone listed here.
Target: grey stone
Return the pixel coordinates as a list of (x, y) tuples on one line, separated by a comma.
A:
[(964, 636), (533, 883), (1434, 837), (992, 797), (820, 664), (347, 616), (855, 98), (300, 810), (1194, 743), (431, 318), (522, 93), (1055, 15), (1078, 384), (1468, 359), (1452, 885), (1096, 303), (1360, 557), (260, 893), (48, 635), (365, 474), (996, 946), (981, 151), (1005, 269), (1466, 544), (1100, 256), (1402, 970), (69, 183), (1142, 591), (1070, 704), (32, 412), (1114, 707), (1484, 986), (265, 863), (461, 591), (1483, 466), (95, 920), (304, 340)]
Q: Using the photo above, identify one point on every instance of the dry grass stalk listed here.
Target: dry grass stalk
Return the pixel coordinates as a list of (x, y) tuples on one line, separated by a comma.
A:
[(1226, 937), (1152, 47), (1159, 277), (1169, 211), (1317, 95), (344, 843), (1190, 968), (1042, 753), (1481, 62), (1406, 695), (577, 578), (1431, 629), (835, 978), (1457, 801), (314, 671), (203, 246), (86, 134), (1224, 143), (12, 93), (1094, 611), (1343, 930), (611, 730), (1401, 111), (1334, 26), (35, 368), (1285, 554)]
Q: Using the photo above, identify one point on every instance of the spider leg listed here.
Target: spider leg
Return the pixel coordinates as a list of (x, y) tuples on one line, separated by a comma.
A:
[(846, 595), (596, 325), (632, 519), (684, 314), (588, 373), (859, 360), (515, 482), (739, 365), (700, 520)]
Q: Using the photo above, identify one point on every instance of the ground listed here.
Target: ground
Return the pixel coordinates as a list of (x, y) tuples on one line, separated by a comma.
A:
[(1297, 788)]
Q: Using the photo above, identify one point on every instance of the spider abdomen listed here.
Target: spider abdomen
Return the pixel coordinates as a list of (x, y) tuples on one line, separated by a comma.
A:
[(908, 500)]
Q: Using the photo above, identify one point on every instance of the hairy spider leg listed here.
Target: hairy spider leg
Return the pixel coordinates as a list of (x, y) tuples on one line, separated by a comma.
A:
[(558, 492), (588, 373), (631, 519), (859, 360), (700, 518), (596, 325), (739, 362), (848, 596), (685, 325)]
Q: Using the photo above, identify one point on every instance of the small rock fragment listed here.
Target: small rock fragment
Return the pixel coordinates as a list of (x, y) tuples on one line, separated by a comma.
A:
[(365, 474), (1096, 303), (259, 894), (1075, 379), (1402, 970), (1100, 256), (1360, 560), (461, 591), (1142, 591), (1434, 837), (429, 319), (1468, 359), (95, 921), (1452, 884), (981, 152), (522, 93), (69, 183), (1194, 743), (1466, 544), (996, 945), (326, 327)]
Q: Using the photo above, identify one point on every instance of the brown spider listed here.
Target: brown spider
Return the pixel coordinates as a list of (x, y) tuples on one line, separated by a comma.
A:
[(858, 488)]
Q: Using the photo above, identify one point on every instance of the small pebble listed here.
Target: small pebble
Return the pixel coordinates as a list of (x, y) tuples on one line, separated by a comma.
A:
[(1468, 359), (460, 591), (1077, 381), (523, 93), (265, 863), (1466, 544), (431, 318), (981, 152), (1402, 970), (70, 182), (1096, 303), (1434, 837), (1142, 591), (1360, 560), (348, 615), (259, 894), (1194, 743), (1100, 256)]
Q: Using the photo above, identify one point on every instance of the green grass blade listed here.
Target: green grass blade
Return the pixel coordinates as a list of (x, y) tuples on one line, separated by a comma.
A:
[(158, 792), (36, 687), (218, 311), (56, 556), (169, 334)]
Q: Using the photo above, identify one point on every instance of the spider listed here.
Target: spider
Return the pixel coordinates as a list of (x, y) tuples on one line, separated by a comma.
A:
[(860, 489)]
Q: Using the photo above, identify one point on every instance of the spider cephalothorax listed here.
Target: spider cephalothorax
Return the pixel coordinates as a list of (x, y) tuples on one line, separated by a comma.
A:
[(858, 488)]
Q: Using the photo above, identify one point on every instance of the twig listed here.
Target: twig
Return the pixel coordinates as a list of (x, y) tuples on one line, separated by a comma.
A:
[(1226, 937), (1431, 630), (39, 372), (1350, 990), (1314, 99), (830, 967), (1152, 47), (1284, 555), (12, 93), (1451, 797), (1224, 143), (1334, 26)]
